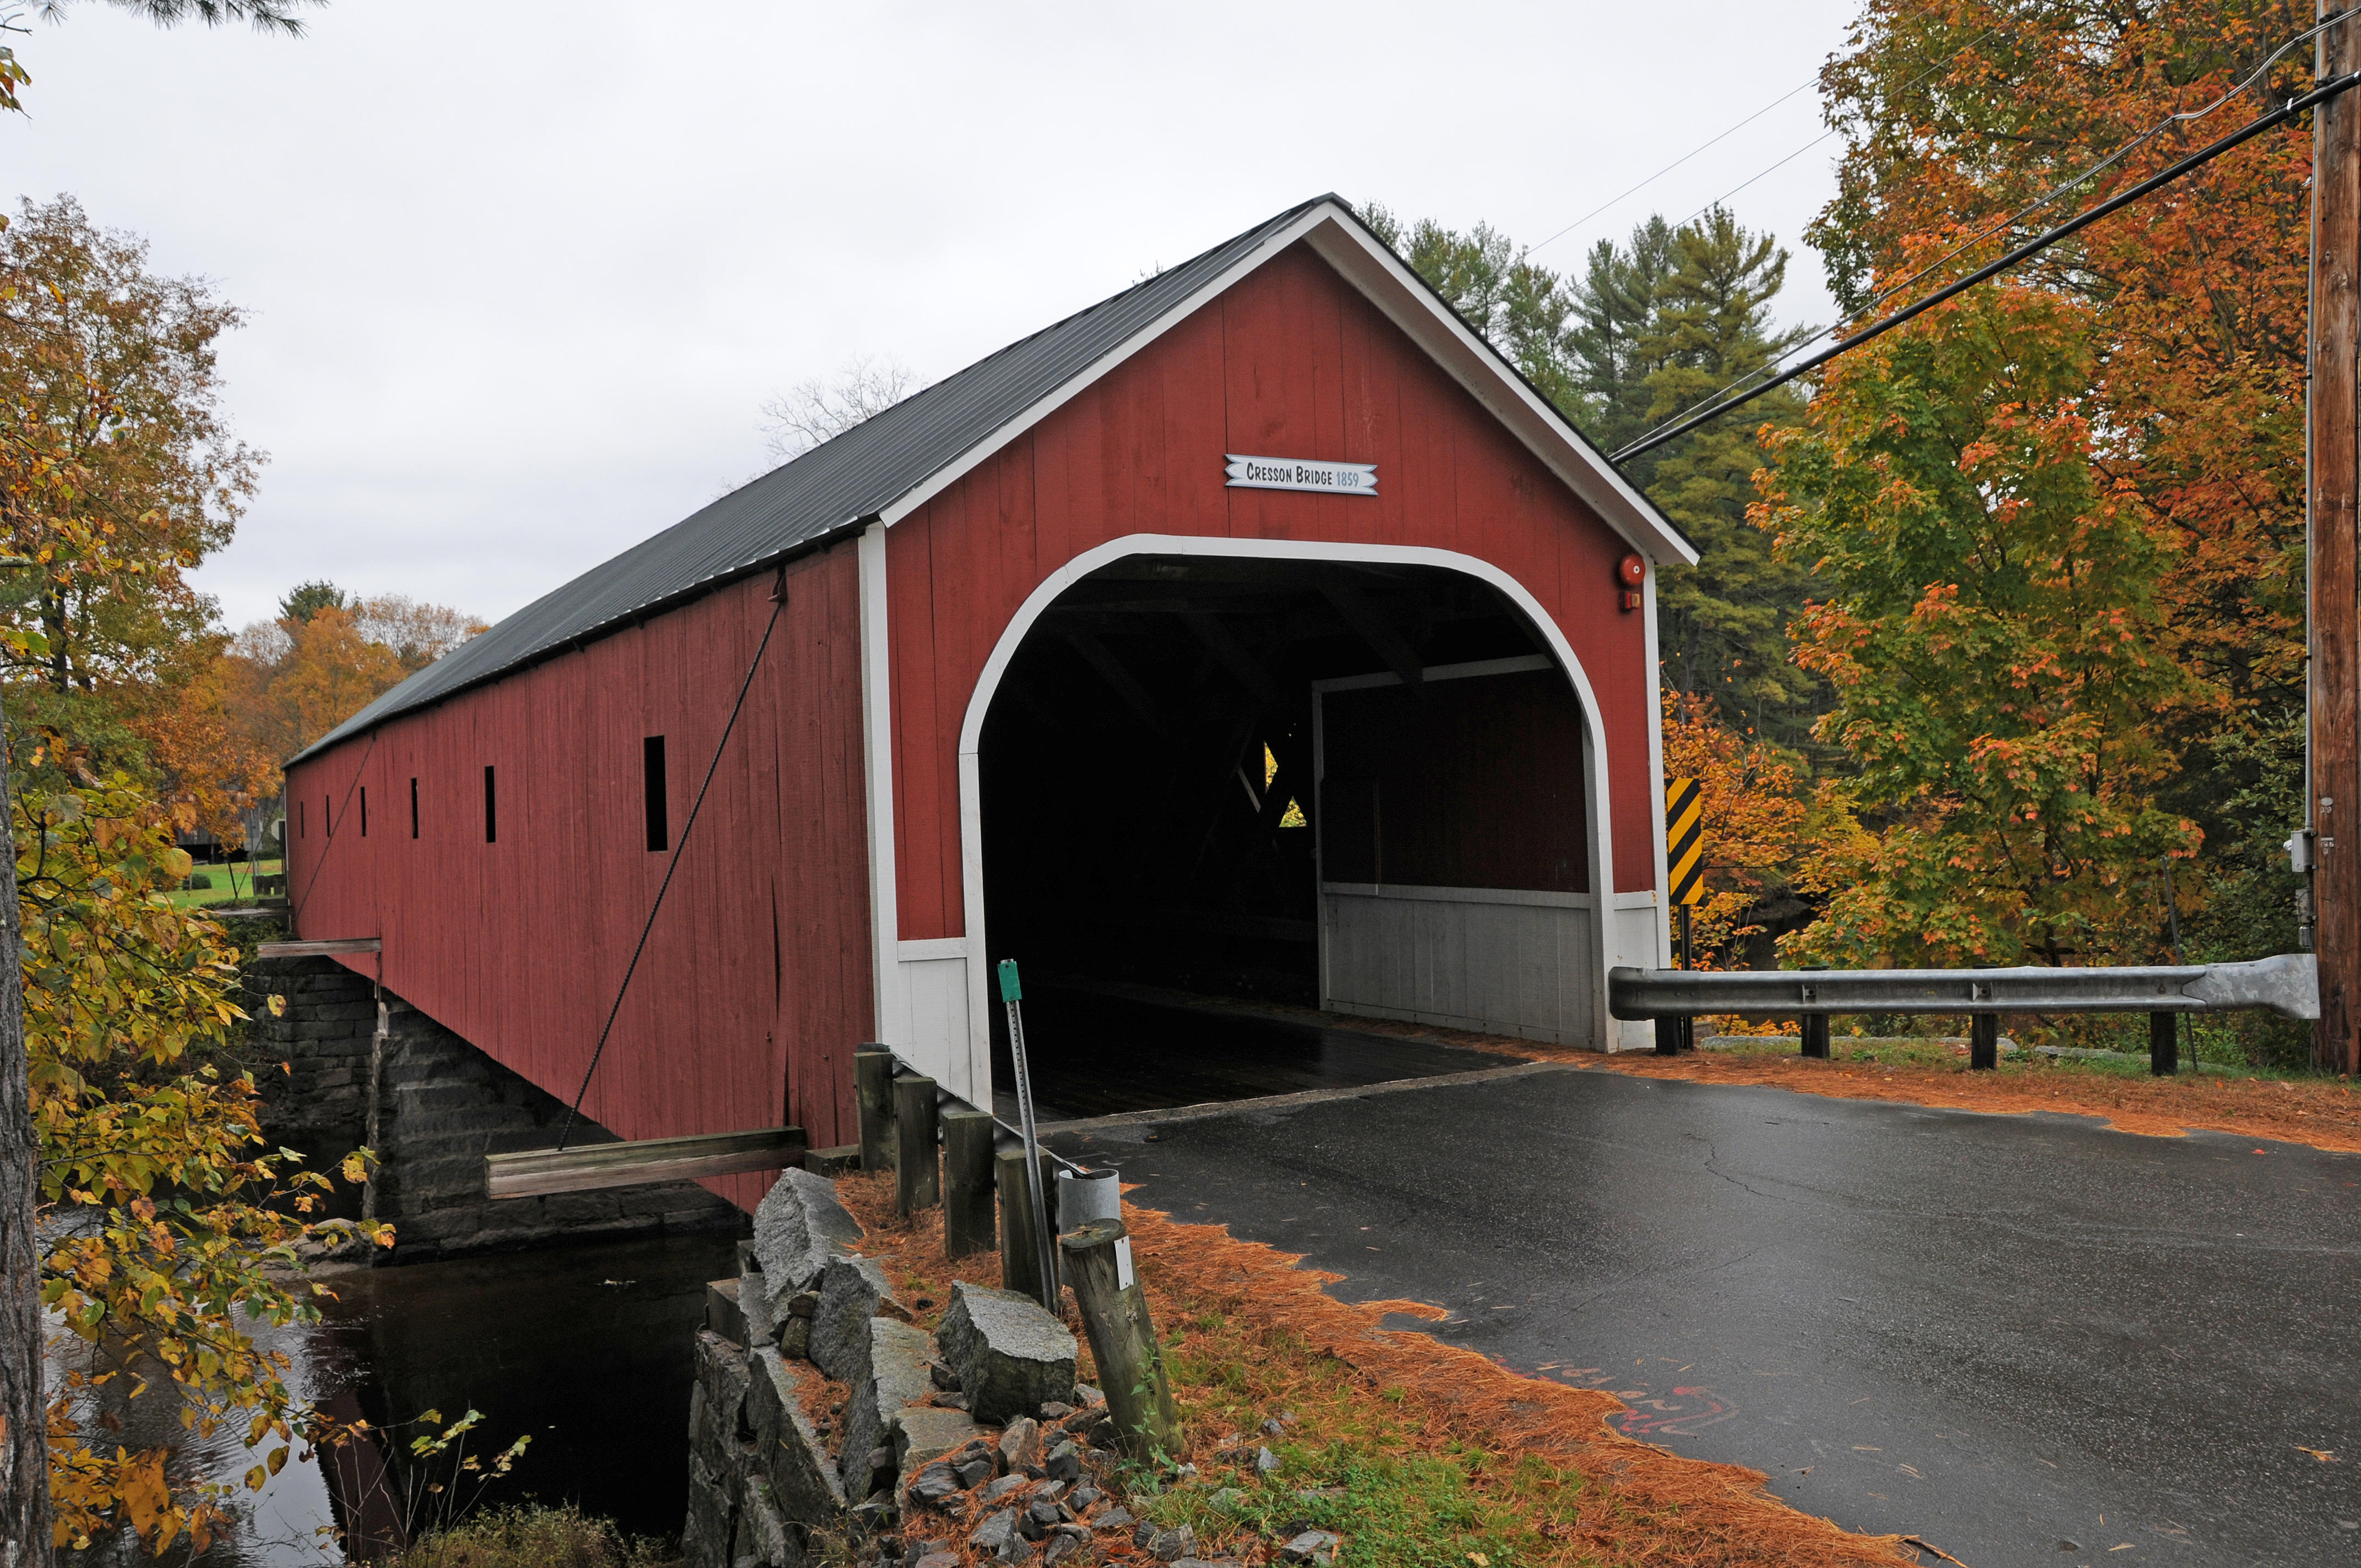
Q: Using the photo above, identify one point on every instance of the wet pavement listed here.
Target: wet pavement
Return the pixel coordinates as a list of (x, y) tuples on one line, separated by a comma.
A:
[(1102, 1050), (2025, 1339)]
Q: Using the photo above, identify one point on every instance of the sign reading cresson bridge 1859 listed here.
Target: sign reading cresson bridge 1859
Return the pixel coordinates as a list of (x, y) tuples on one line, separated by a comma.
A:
[(1303, 474)]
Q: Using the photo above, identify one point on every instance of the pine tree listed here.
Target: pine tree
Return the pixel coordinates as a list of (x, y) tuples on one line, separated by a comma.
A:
[(1615, 305), (1724, 621), (1521, 308), (1656, 326)]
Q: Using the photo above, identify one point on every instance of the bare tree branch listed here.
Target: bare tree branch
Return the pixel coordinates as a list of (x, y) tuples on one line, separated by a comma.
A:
[(815, 411)]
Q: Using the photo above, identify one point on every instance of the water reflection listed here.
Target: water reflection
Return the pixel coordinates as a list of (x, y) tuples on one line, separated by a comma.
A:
[(587, 1349)]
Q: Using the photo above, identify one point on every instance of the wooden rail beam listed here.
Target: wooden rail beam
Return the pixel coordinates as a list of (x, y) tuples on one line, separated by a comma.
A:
[(328, 949), (535, 1172)]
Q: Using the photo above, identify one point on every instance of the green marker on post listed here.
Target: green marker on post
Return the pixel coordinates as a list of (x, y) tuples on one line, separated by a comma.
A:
[(1012, 992)]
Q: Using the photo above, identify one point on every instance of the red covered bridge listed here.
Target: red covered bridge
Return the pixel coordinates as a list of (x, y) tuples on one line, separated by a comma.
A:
[(1259, 626)]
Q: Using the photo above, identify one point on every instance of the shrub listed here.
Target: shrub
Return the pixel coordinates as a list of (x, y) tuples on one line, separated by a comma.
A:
[(535, 1535)]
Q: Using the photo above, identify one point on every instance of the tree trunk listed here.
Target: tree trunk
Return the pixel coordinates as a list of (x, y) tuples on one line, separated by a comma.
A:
[(23, 1424), (53, 627)]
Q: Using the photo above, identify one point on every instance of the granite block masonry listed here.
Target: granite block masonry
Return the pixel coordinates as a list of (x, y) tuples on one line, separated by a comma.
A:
[(893, 1374), (1011, 1358), (798, 1227), (442, 1105), (852, 1290), (792, 1464), (789, 1446)]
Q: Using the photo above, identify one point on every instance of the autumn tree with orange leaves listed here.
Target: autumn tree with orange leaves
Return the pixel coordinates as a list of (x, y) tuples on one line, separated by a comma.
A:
[(1995, 638), (2163, 380), (1757, 824)]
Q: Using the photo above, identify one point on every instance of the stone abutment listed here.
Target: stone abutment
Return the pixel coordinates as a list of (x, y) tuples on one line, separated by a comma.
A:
[(442, 1105)]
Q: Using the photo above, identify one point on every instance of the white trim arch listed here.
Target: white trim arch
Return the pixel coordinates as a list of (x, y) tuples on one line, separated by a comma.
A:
[(1620, 938)]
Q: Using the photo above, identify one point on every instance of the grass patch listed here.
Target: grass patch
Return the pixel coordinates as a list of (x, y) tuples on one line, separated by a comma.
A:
[(232, 884), (1353, 1461), (2203, 1049), (535, 1535)]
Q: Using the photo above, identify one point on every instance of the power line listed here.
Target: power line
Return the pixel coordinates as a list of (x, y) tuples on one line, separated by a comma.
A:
[(1750, 179), (1741, 126), (1675, 163), (2114, 157), (2205, 155)]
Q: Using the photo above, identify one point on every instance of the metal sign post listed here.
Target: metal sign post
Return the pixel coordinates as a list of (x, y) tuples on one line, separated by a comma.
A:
[(1012, 993)]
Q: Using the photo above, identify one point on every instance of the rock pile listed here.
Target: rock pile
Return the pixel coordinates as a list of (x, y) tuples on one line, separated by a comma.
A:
[(822, 1408)]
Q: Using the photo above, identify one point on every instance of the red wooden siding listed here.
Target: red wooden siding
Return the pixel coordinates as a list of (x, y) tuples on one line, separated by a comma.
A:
[(1291, 362), (1471, 783), (755, 986)]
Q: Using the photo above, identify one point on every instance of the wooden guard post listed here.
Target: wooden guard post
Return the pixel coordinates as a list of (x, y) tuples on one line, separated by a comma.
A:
[(1984, 1041), (968, 1224), (535, 1172), (1122, 1340), (872, 1092), (916, 1184), (1020, 1265)]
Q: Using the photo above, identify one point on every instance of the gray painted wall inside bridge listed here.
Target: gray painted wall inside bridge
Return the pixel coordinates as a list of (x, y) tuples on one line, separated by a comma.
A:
[(1497, 960)]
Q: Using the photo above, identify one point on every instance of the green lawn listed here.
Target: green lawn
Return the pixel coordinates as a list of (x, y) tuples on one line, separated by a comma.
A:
[(231, 884)]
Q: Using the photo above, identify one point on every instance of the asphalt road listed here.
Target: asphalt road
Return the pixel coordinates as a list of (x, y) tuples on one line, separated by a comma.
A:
[(2025, 1339), (1096, 1052)]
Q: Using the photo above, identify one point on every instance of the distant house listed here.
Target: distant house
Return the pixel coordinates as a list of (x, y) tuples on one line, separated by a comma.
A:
[(1054, 647)]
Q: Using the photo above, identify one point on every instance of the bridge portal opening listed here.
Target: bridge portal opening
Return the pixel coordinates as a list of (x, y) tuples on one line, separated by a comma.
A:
[(1353, 786)]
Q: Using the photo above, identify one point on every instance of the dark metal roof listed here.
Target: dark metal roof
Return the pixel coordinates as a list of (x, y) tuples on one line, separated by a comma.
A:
[(830, 490)]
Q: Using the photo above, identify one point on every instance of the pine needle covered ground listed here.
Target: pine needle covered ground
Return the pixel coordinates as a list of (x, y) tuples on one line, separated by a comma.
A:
[(1417, 1453), (2321, 1112)]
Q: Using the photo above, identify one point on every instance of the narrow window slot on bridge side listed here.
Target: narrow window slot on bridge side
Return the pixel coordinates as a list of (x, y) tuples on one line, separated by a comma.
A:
[(652, 764), (363, 811), (413, 806), (491, 808)]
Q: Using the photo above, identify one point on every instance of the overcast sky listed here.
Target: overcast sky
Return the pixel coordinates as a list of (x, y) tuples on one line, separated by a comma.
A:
[(520, 273)]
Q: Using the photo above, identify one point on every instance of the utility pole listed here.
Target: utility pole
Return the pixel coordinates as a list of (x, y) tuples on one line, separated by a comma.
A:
[(2334, 772)]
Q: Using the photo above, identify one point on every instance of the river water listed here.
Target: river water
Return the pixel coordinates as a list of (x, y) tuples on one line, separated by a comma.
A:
[(586, 1349)]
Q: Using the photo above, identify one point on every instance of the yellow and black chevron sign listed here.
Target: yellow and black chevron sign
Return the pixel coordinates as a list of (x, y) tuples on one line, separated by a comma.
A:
[(1684, 840)]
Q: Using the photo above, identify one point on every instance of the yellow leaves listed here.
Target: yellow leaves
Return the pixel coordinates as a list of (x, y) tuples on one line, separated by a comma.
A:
[(144, 1498), (118, 980)]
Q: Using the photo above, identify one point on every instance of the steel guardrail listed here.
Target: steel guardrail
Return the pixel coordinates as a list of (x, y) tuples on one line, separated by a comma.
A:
[(2287, 985)]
